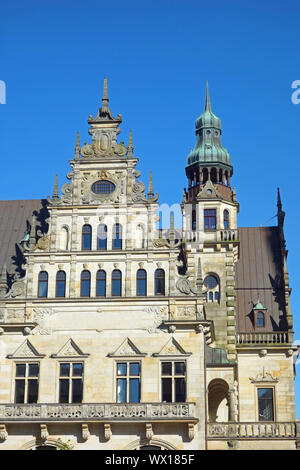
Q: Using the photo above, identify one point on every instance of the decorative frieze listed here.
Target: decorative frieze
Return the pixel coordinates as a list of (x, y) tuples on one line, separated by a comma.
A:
[(252, 430), (96, 412)]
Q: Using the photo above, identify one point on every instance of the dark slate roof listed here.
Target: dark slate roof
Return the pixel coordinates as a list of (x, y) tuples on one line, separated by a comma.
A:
[(259, 276), (15, 220)]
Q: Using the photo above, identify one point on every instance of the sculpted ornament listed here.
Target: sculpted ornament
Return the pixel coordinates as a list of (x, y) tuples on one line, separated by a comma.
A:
[(184, 286)]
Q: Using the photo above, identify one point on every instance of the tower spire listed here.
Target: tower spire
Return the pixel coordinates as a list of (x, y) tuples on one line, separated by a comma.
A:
[(207, 99)]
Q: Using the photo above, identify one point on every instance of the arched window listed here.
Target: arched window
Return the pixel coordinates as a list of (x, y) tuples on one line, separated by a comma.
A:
[(102, 237), (85, 284), (226, 219), (141, 282), (117, 237), (101, 283), (260, 319), (86, 237), (116, 283), (212, 288), (61, 284), (43, 284), (159, 282)]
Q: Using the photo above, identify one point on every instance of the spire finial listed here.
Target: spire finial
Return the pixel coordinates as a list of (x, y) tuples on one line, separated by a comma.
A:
[(150, 187), (279, 204), (55, 188), (77, 147), (207, 99), (130, 145), (105, 99)]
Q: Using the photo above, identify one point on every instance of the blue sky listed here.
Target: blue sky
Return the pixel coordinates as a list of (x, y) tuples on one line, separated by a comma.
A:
[(157, 56)]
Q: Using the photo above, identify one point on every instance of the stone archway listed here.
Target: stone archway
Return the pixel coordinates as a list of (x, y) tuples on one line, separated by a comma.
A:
[(218, 390)]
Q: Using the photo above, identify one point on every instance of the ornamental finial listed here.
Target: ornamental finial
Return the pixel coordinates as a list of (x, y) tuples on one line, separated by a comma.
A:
[(130, 145), (150, 187), (55, 189), (77, 147)]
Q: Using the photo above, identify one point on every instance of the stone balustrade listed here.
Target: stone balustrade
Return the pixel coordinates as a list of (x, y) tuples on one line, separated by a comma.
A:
[(227, 235), (259, 430), (97, 412), (274, 338)]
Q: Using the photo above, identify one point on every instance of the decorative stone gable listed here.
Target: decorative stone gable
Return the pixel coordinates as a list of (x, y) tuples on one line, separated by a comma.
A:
[(26, 350), (172, 348), (127, 348), (70, 349)]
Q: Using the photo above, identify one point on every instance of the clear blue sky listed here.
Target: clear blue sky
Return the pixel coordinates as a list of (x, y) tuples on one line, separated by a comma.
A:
[(157, 56)]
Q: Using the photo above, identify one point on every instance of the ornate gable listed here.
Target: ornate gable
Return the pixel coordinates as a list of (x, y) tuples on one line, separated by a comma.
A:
[(70, 349), (209, 191), (26, 350), (172, 348), (127, 348)]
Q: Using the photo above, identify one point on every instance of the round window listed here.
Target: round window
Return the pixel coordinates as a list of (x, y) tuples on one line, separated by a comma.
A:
[(210, 282), (103, 187)]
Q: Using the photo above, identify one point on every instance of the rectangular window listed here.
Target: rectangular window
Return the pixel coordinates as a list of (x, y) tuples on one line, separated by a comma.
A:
[(209, 219), (265, 404), (27, 383), (173, 381), (71, 382), (128, 382)]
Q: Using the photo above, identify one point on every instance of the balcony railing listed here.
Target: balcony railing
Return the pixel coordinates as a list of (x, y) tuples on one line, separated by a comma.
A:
[(261, 430), (97, 412), (274, 338)]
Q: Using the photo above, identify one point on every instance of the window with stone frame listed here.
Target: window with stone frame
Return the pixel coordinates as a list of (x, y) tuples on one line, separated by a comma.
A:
[(141, 282), (173, 381), (212, 286), (27, 382), (43, 284), (210, 219), (265, 399), (70, 382), (86, 243), (128, 386)]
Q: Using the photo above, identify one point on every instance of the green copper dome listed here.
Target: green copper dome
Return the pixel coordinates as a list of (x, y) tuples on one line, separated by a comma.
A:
[(208, 148)]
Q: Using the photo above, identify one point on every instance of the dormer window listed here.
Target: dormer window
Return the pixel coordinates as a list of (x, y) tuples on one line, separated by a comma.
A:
[(260, 319)]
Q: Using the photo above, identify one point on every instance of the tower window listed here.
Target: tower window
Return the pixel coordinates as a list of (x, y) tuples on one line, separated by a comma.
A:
[(116, 283), (43, 284), (141, 282), (61, 284), (102, 237), (85, 284), (265, 404), (86, 237), (209, 219), (212, 288), (194, 220), (101, 283), (159, 282), (226, 219), (117, 237)]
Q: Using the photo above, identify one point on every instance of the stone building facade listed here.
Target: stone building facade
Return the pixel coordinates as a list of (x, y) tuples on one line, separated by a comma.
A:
[(116, 334)]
